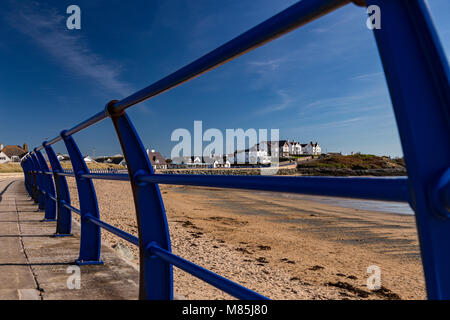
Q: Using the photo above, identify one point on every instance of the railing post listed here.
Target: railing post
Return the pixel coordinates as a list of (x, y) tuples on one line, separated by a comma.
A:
[(156, 278), (418, 78), (90, 242), (33, 183), (47, 181), (34, 190), (64, 217), (40, 189), (26, 175), (30, 175)]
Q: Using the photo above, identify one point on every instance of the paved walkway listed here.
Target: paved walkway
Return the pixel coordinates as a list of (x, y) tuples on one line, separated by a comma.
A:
[(36, 266)]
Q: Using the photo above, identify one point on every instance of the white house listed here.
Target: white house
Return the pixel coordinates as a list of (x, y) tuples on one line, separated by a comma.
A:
[(258, 154), (156, 159), (4, 158), (221, 164), (89, 159), (296, 148), (284, 148), (12, 153), (313, 149)]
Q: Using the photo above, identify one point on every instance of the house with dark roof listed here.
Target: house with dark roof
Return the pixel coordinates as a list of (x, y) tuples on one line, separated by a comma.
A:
[(261, 153), (313, 149), (157, 160), (12, 153)]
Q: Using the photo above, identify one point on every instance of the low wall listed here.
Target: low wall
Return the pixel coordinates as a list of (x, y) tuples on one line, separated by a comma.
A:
[(245, 172), (282, 172)]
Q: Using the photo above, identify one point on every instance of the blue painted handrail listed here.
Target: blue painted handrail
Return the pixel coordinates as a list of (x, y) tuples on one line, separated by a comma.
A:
[(417, 74)]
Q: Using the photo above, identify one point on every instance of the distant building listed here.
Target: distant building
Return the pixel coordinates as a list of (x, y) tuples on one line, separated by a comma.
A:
[(219, 161), (199, 162), (123, 163), (196, 162), (89, 159), (313, 149), (115, 159), (261, 153), (157, 160), (63, 157), (12, 153), (258, 154), (284, 148)]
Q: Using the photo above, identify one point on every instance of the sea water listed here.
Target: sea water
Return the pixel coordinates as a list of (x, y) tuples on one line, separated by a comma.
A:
[(370, 205)]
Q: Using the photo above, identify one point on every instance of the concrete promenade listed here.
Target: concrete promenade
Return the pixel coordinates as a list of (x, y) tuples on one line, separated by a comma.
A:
[(36, 266)]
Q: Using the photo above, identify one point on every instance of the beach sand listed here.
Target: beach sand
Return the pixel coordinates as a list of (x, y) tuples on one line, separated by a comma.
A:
[(283, 248)]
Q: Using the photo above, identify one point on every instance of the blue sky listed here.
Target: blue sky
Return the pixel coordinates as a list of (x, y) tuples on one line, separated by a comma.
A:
[(322, 82)]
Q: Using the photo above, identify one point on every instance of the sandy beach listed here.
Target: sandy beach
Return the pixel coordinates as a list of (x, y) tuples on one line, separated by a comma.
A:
[(283, 248)]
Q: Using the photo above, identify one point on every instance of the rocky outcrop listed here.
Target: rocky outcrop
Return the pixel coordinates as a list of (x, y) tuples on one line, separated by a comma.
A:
[(351, 172)]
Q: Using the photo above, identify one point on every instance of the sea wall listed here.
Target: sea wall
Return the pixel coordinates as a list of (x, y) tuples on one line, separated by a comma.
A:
[(287, 172), (245, 172)]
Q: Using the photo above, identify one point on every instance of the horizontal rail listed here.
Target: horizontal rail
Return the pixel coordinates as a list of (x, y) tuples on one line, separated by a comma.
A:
[(83, 125), (228, 286), (100, 176), (386, 189), (120, 233), (73, 209), (291, 18), (66, 174), (87, 123), (107, 176)]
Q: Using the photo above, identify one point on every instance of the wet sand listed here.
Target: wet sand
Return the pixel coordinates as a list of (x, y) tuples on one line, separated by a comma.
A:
[(283, 248)]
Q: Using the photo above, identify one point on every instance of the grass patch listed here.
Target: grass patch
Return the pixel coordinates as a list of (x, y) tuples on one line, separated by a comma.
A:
[(93, 165), (354, 162), (10, 167)]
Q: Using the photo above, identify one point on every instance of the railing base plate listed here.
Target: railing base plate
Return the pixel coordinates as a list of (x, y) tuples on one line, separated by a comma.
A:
[(85, 263), (58, 235)]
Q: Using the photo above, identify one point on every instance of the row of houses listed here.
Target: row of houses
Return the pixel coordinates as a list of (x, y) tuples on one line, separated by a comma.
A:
[(294, 148), (156, 159), (262, 153), (213, 161), (257, 154), (12, 153)]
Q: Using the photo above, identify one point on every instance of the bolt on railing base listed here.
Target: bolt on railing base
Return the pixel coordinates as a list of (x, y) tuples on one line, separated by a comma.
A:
[(60, 235), (85, 263)]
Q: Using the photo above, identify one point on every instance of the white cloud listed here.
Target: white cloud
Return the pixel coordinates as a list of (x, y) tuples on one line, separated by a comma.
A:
[(286, 102), (369, 76), (269, 64), (47, 28)]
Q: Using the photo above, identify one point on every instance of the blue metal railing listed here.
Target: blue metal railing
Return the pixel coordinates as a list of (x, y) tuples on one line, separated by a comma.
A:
[(417, 74)]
